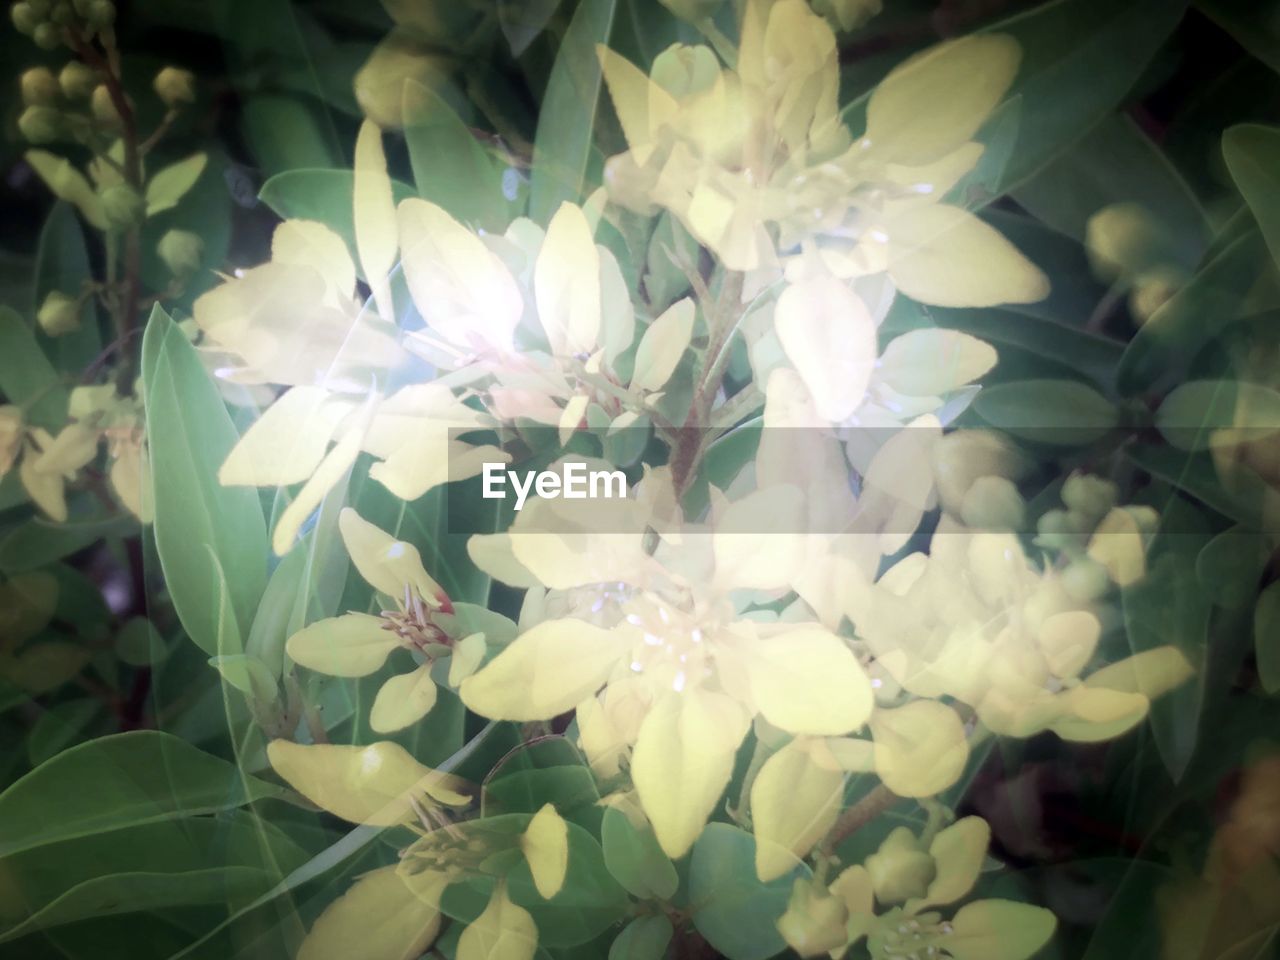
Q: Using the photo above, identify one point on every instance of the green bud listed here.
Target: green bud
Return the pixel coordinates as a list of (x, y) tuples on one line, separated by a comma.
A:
[(1091, 497), (900, 870), (174, 86), (103, 107), (39, 87), (25, 19), (41, 125), (1086, 580), (1153, 290), (123, 206), (180, 250), (77, 80), (100, 13), (47, 36), (814, 922), (59, 314), (993, 503), (63, 14), (42, 8), (1060, 530)]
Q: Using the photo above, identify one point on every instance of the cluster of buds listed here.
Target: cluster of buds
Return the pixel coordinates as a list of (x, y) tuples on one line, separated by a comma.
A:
[(49, 23)]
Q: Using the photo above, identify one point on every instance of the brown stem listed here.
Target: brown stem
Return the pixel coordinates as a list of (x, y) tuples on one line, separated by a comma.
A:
[(858, 816)]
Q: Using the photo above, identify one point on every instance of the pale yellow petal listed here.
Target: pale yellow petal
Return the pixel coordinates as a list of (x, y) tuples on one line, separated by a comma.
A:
[(794, 802), (566, 283), (999, 930), (1150, 673), (378, 918), (757, 541), (642, 106), (921, 747), (352, 645), (387, 564), (682, 762), (287, 443), (376, 784), (73, 447), (959, 852), (68, 183), (946, 256), (503, 931), (46, 490), (830, 337), (662, 346), (571, 416), (468, 654), (1117, 543), (807, 681), (544, 672), (924, 363), (310, 243), (545, 844), (375, 217), (1068, 640), (403, 700)]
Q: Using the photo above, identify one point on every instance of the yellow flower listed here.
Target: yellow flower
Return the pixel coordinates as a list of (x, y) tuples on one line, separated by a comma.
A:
[(672, 630), (424, 622)]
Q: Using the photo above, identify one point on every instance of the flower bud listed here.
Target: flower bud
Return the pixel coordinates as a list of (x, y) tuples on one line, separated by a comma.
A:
[(814, 922), (39, 87), (25, 18), (174, 86), (683, 70), (1091, 497), (993, 503), (900, 870), (63, 14), (10, 436), (41, 125), (77, 80), (59, 314), (103, 107), (693, 11), (100, 13), (123, 206), (1060, 530), (47, 36), (181, 251), (1085, 580), (1152, 291), (1124, 240), (962, 457)]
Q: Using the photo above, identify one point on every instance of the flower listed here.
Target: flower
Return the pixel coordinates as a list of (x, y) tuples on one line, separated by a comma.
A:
[(424, 621)]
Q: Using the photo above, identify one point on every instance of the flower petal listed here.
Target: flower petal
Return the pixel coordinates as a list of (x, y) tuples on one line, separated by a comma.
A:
[(352, 645), (830, 337), (662, 346), (921, 748), (286, 444), (999, 930), (387, 564), (503, 932), (566, 284), (958, 852), (403, 700), (378, 918), (926, 363), (545, 844), (794, 802), (807, 681), (375, 216)]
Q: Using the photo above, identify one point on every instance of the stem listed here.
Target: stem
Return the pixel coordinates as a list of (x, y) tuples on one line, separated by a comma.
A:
[(858, 816)]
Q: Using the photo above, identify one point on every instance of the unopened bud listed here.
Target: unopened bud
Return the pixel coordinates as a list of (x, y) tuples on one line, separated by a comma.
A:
[(181, 252), (123, 206), (59, 314), (962, 457), (10, 436), (103, 107), (814, 922), (900, 870), (1091, 497), (77, 80), (1086, 580), (174, 86), (39, 87), (25, 18), (1061, 530), (63, 14), (100, 13), (47, 36), (993, 503), (41, 125)]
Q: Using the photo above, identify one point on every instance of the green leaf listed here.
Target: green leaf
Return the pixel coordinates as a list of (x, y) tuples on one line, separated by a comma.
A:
[(119, 781), (522, 20), (38, 542), (1168, 607), (247, 674), (1252, 153), (1252, 23), (635, 858), (62, 263), (1266, 637), (566, 122), (1196, 475), (1188, 416), (60, 726), (199, 524), (1231, 285), (26, 376), (139, 643), (731, 907), (1059, 412), (323, 195), (1230, 566), (644, 938), (450, 168)]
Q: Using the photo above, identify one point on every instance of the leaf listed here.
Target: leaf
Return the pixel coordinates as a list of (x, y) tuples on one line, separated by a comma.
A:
[(644, 938), (450, 168), (1197, 476), (1190, 414), (38, 542), (635, 859), (1266, 637), (199, 524), (566, 122), (1231, 565), (1252, 153), (62, 263), (522, 20), (322, 195), (1251, 23), (1167, 607), (171, 184), (247, 674), (731, 908), (1059, 412), (136, 778), (26, 376)]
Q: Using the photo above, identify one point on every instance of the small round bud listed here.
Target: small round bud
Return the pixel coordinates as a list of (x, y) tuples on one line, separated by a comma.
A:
[(39, 87), (59, 314), (100, 13), (42, 8), (103, 107), (900, 870), (1091, 497), (180, 250), (174, 86), (77, 80), (123, 206), (41, 125), (1060, 530), (815, 921), (25, 19), (63, 14), (1086, 580), (47, 36), (993, 503), (1153, 290)]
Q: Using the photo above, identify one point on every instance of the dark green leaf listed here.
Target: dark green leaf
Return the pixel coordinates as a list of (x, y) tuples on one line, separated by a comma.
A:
[(62, 263), (26, 376), (1059, 412)]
